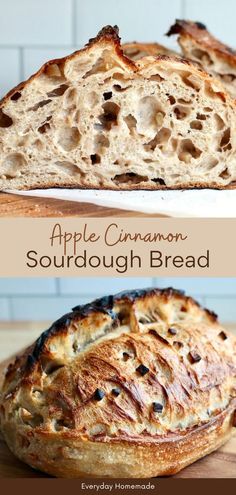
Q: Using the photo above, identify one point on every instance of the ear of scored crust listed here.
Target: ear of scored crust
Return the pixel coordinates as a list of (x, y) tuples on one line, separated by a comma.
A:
[(198, 32), (100, 55)]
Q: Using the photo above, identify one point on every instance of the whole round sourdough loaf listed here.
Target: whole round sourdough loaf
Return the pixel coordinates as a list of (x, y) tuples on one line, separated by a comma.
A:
[(98, 119), (140, 384)]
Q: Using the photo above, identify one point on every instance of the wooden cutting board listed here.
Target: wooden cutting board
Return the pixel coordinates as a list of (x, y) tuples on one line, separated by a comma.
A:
[(12, 205), (220, 464)]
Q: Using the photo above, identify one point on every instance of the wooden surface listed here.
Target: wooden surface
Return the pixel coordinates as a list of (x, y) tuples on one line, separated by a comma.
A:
[(220, 464), (20, 206)]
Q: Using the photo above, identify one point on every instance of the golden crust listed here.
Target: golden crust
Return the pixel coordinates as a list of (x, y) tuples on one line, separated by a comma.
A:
[(134, 385)]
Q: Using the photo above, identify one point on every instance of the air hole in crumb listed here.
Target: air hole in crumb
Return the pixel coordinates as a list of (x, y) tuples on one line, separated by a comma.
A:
[(12, 164), (125, 356), (40, 104), (184, 101), (181, 112), (191, 81), (59, 91), (225, 138), (219, 122), (129, 178), (107, 95), (109, 117), (171, 99), (225, 174), (95, 159), (54, 71), (177, 345), (159, 181), (131, 122), (150, 114), (201, 116), (161, 138), (68, 138), (188, 151), (195, 124), (16, 96), (156, 77), (45, 126), (119, 88), (5, 120)]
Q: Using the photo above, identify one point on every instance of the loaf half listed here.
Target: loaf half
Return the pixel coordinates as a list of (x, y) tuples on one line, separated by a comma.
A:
[(201, 46), (97, 119), (140, 384)]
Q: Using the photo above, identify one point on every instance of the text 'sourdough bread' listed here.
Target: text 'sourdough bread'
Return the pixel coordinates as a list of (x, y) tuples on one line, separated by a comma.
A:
[(201, 46), (139, 384), (98, 119)]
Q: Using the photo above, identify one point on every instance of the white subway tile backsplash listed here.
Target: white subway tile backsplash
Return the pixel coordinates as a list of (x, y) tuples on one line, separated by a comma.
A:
[(146, 20), (193, 286), (4, 309), (10, 69), (218, 16), (101, 286), (30, 22), (34, 58), (42, 299), (43, 308), (29, 286), (225, 308)]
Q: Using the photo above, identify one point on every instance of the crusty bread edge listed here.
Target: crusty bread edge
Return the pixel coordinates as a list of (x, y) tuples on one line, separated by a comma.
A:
[(201, 36), (132, 459)]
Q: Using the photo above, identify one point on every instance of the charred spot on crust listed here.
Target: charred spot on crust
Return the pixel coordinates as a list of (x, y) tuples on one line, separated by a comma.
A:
[(200, 25), (109, 32), (98, 394), (116, 392), (142, 369), (157, 407), (172, 331), (194, 357)]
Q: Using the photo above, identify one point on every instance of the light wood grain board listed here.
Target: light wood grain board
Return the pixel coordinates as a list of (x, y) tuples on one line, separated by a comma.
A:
[(12, 205)]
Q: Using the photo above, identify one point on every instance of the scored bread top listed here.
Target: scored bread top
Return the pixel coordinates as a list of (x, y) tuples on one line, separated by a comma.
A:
[(139, 366)]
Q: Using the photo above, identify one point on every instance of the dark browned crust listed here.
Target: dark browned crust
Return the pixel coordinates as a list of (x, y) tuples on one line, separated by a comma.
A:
[(199, 33), (135, 187), (102, 305)]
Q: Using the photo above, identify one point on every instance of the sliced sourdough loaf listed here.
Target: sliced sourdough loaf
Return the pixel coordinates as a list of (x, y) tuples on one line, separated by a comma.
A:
[(201, 46), (97, 119)]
